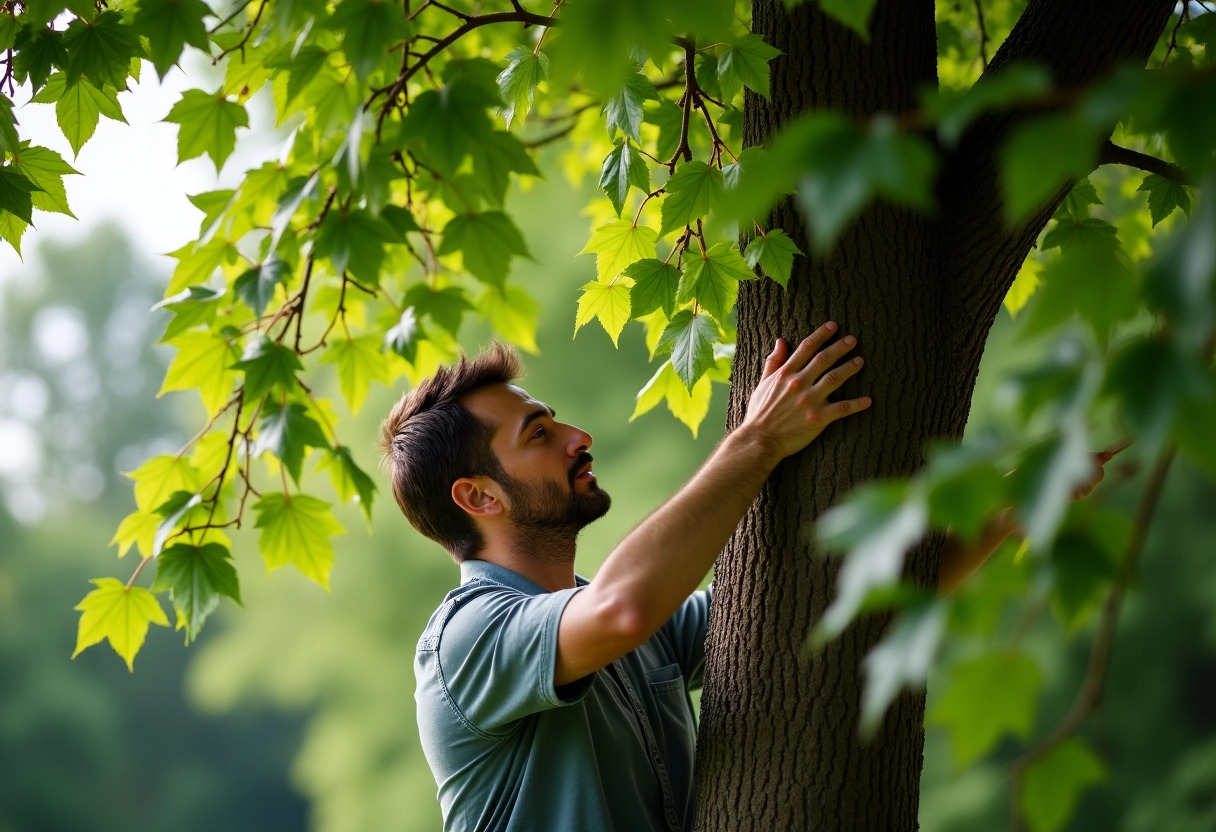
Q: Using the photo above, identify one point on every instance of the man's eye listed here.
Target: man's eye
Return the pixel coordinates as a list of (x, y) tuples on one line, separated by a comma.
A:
[(540, 431)]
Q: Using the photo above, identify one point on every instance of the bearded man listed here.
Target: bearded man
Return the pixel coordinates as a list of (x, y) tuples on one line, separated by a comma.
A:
[(547, 702)]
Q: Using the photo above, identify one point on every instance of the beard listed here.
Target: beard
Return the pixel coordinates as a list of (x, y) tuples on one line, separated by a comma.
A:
[(546, 516)]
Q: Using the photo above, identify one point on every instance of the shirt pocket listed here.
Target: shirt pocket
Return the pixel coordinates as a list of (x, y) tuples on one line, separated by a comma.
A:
[(666, 680)]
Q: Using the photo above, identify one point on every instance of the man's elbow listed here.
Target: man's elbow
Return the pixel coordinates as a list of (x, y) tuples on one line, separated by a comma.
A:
[(622, 619)]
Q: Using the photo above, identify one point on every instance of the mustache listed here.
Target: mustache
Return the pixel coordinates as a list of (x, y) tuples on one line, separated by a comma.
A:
[(581, 460)]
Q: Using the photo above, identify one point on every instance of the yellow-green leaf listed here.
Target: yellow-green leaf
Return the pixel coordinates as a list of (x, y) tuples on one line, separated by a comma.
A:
[(359, 362), (159, 477), (122, 615), (607, 301), (1023, 286), (690, 407), (295, 531), (138, 529), (202, 363), (619, 244)]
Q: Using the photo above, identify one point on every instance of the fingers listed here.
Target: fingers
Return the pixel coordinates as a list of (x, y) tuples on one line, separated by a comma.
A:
[(775, 358), (838, 410), (831, 381), (810, 346), (825, 359)]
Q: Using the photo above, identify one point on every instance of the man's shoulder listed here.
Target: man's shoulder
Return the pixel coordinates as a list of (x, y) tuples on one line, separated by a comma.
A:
[(460, 606)]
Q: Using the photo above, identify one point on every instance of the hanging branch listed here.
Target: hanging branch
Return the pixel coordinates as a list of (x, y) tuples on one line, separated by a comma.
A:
[(1090, 693)]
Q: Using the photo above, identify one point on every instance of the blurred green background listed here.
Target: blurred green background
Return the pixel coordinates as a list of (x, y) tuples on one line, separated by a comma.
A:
[(297, 712)]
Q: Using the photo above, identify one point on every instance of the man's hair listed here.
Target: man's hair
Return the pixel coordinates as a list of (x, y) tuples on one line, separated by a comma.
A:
[(430, 440)]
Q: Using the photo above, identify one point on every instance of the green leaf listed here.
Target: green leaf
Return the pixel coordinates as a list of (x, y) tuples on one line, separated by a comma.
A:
[(101, 50), (963, 487), (623, 110), (16, 193), (902, 659), (1040, 159), (359, 362), (168, 26), (989, 697), (623, 167), (369, 28), (692, 191), (11, 229), (9, 142), (45, 169), (876, 525), (256, 286), (268, 365), (1164, 196), (447, 122), (690, 340), (1052, 786), (852, 13), (202, 363), (486, 241), (157, 479), (655, 285), (208, 123), (1068, 233), (1093, 280), (197, 263), (1081, 569), (747, 60), (38, 50), (690, 407), (774, 254), (1044, 483), (349, 480), (354, 241), (495, 158), (1023, 287), (79, 107), (445, 307), (190, 307), (619, 244), (607, 301), (526, 68), (285, 432), (301, 65), (711, 278), (296, 531), (122, 615), (196, 577)]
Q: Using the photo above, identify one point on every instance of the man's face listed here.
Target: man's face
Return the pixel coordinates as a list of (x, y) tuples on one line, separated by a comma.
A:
[(548, 482)]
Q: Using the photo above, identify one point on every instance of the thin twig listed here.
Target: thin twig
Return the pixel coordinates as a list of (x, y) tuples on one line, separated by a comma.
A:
[(979, 13)]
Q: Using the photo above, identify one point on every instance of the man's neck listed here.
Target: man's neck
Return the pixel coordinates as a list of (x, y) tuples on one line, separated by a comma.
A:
[(545, 558)]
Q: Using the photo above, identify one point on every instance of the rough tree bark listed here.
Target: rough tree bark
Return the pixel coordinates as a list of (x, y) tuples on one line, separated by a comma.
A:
[(778, 746)]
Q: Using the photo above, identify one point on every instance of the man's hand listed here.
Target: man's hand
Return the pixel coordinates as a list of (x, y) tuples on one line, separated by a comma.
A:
[(790, 406)]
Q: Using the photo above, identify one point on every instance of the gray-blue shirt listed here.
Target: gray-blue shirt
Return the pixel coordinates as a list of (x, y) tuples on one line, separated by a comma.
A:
[(611, 752)]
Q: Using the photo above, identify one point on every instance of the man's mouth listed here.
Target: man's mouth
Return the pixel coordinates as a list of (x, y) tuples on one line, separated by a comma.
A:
[(583, 471)]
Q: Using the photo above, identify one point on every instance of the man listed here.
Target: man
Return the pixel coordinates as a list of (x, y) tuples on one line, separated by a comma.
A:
[(545, 701)]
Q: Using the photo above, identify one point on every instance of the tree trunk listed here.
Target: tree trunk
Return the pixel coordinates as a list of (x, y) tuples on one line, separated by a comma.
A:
[(779, 746)]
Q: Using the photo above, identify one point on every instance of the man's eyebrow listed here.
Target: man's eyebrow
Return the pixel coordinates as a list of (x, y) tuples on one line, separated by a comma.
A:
[(539, 413)]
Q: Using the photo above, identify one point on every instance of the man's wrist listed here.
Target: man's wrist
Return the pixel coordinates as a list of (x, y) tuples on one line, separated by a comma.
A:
[(755, 445)]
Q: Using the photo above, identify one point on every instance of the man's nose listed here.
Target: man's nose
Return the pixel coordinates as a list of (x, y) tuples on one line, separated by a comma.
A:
[(578, 441)]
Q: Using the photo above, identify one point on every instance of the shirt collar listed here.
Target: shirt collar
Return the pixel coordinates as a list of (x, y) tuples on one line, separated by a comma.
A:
[(486, 571)]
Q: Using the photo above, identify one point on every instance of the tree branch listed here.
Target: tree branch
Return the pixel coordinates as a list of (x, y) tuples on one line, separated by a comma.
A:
[(1090, 693), (1113, 154)]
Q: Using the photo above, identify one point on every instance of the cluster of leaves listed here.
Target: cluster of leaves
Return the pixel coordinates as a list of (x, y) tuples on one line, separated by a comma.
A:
[(384, 225)]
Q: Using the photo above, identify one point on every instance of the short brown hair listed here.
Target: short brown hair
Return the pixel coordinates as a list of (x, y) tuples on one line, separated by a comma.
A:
[(430, 440)]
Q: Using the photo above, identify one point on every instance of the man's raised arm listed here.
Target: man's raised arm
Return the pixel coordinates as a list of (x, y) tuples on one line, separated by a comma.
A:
[(661, 562)]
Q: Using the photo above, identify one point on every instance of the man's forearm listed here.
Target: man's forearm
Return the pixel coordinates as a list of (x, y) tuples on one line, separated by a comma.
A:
[(959, 559), (666, 557)]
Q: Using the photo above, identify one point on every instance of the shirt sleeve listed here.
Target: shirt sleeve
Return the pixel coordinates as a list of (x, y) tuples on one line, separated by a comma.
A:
[(498, 654), (685, 632)]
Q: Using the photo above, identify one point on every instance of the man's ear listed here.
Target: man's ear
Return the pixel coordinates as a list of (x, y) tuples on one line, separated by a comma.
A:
[(477, 496)]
